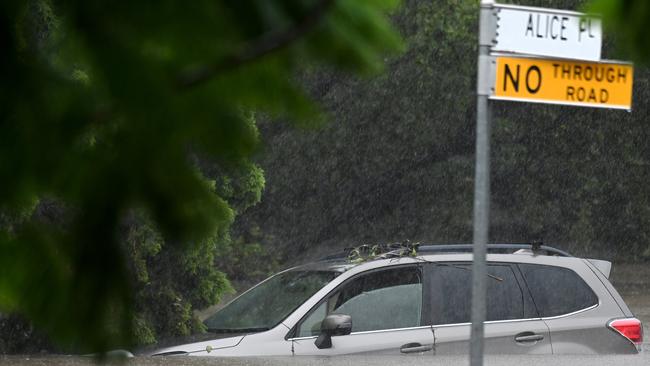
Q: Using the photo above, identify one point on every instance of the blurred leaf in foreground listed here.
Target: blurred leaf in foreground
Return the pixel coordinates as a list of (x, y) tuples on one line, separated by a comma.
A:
[(103, 105), (628, 19)]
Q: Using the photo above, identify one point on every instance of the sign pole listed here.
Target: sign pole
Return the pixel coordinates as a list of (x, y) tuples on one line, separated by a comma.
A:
[(596, 83), (481, 184)]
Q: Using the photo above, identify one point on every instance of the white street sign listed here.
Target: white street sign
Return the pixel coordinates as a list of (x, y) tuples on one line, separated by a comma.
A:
[(547, 32)]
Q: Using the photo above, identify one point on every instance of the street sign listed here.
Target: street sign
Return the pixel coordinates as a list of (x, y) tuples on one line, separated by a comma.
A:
[(588, 84), (547, 32)]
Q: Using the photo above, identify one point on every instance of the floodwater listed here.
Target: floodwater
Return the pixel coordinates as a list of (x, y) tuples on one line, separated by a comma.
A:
[(502, 360), (634, 288)]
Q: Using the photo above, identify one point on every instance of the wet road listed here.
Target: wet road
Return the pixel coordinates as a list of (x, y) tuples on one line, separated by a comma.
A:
[(568, 360)]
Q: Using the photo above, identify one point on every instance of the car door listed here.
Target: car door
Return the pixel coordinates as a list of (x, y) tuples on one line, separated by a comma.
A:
[(386, 310), (512, 325)]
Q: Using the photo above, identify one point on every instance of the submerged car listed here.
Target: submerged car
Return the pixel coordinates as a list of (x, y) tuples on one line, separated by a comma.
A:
[(417, 299)]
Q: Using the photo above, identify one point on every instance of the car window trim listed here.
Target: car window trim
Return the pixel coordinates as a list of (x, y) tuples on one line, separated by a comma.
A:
[(291, 335), (425, 302), (594, 306), (433, 326), (519, 320), (368, 332)]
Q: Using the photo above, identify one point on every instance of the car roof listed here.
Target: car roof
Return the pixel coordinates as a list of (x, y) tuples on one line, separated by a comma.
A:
[(340, 262)]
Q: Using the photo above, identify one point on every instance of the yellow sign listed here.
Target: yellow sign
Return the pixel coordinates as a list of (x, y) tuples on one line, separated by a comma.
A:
[(588, 84)]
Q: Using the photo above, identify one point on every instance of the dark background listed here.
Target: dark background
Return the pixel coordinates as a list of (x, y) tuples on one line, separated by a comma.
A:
[(396, 159)]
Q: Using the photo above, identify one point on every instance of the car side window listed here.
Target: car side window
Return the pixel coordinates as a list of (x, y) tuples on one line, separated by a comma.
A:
[(557, 290), (385, 299), (450, 289)]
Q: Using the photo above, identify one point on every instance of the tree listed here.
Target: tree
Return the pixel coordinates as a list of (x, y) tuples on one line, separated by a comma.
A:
[(108, 108)]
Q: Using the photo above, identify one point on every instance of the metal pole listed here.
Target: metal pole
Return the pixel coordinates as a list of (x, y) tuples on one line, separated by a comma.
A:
[(481, 187)]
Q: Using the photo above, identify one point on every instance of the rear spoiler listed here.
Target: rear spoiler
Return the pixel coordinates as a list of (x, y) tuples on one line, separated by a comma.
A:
[(604, 267)]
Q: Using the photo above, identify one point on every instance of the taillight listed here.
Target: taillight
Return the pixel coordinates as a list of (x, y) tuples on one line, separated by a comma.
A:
[(630, 328)]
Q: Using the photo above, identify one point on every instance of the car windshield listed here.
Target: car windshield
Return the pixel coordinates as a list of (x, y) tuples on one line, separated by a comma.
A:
[(268, 303)]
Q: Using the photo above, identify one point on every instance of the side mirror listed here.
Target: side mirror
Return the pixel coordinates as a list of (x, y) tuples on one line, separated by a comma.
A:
[(333, 325)]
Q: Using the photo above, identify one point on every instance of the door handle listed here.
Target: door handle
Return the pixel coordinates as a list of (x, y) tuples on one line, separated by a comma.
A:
[(528, 337), (414, 348)]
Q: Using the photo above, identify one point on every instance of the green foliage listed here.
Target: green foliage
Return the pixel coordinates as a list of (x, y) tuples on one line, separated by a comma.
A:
[(246, 260), (628, 19), (111, 108)]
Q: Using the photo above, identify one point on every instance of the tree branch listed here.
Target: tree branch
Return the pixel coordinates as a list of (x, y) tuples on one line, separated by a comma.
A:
[(257, 49)]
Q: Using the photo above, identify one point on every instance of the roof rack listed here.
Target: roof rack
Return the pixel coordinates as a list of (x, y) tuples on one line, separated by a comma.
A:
[(536, 248), (367, 252)]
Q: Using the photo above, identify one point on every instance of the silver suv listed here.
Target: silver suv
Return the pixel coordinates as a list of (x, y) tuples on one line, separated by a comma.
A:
[(416, 299)]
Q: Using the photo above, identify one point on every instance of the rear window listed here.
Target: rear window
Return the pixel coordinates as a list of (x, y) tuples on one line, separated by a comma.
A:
[(557, 290)]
